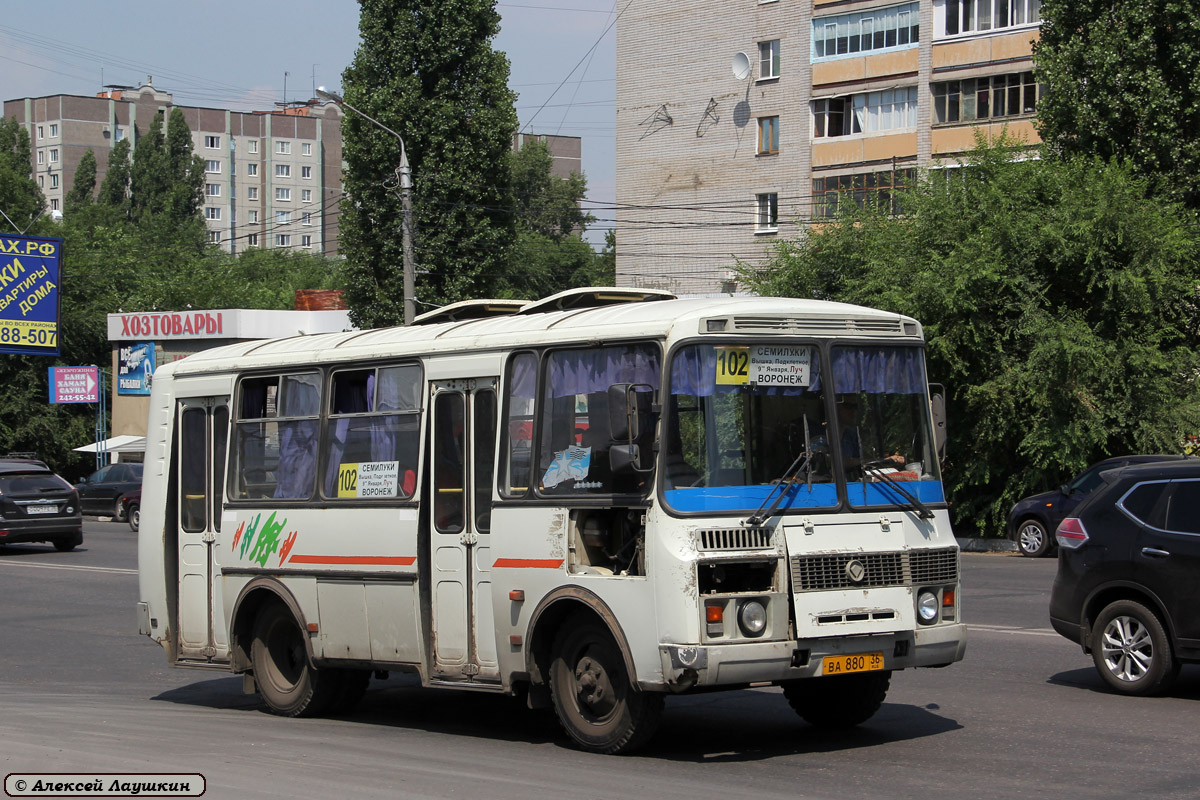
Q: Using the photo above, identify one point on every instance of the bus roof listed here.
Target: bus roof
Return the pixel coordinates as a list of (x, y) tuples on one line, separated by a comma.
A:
[(740, 315)]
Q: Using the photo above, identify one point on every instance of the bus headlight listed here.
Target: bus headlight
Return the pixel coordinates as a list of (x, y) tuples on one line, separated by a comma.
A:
[(752, 618), (927, 606)]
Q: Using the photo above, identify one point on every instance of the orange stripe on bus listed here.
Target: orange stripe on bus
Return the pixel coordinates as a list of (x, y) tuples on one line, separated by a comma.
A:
[(400, 561), (536, 563)]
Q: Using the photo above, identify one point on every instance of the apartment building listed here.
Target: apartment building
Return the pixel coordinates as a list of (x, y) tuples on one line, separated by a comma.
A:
[(273, 179), (740, 124)]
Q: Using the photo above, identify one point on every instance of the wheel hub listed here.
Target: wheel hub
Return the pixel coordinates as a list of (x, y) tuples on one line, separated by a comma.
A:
[(594, 687)]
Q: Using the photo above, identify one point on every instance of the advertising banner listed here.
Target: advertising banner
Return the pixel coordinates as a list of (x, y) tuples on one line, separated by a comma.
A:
[(29, 279), (135, 367), (74, 384)]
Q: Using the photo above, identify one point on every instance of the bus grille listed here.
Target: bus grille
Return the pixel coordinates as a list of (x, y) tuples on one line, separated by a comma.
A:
[(735, 539), (828, 571)]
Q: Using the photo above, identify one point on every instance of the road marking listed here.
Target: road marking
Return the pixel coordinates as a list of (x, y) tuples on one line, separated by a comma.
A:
[(1012, 629), (43, 565)]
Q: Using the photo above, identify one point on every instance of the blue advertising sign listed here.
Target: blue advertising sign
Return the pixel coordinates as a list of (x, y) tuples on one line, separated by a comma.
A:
[(135, 366), (29, 279)]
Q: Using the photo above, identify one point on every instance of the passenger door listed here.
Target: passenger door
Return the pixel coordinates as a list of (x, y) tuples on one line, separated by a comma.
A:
[(1168, 561), (463, 451), (202, 430)]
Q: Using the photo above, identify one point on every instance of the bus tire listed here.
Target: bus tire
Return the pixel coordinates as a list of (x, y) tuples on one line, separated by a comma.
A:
[(287, 682), (840, 701), (597, 705)]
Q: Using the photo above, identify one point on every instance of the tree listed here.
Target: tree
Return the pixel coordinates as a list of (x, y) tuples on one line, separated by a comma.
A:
[(20, 198), (1060, 308), (186, 169), (85, 183), (427, 70), (114, 189), (1122, 82)]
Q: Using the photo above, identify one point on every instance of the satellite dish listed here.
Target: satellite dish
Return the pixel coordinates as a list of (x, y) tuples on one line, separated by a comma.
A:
[(741, 66)]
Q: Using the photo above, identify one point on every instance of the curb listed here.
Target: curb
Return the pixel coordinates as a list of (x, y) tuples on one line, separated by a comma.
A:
[(974, 544)]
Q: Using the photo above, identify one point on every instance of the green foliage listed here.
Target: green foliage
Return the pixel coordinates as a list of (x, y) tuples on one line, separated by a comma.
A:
[(545, 203), (427, 70), (114, 189), (20, 197), (85, 183), (1059, 301), (166, 178), (1122, 81)]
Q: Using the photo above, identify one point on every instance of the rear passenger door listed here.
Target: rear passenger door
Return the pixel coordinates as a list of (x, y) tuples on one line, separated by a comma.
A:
[(1168, 559)]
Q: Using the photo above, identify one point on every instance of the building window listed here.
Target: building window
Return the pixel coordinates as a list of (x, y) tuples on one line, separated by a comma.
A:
[(54, 205), (212, 212), (283, 217), (41, 132), (1011, 95), (53, 155), (767, 212), (41, 156), (283, 170), (868, 112), (283, 194), (768, 59), (251, 169), (252, 216), (53, 130), (306, 241), (214, 237), (252, 146), (41, 181), (877, 29), (119, 135), (212, 165), (283, 240), (768, 135), (252, 240), (306, 149), (973, 16), (212, 142), (306, 195), (306, 218), (54, 180), (252, 193), (306, 173), (879, 187), (283, 148), (212, 189)]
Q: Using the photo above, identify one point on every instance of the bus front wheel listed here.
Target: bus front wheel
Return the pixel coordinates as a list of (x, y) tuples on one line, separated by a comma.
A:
[(838, 701), (287, 682), (595, 702)]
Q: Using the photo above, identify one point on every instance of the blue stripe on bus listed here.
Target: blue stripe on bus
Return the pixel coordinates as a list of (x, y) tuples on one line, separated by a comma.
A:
[(822, 495)]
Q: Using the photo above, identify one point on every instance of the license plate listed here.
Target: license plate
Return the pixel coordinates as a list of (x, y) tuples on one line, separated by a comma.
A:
[(41, 509), (859, 662)]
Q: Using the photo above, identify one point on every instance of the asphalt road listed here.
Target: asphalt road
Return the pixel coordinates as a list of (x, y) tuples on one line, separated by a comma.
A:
[(1024, 715)]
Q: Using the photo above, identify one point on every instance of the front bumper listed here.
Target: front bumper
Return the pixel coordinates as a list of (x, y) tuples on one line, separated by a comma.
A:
[(687, 666)]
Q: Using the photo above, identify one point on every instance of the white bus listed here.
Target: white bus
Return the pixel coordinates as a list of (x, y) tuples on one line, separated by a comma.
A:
[(597, 500)]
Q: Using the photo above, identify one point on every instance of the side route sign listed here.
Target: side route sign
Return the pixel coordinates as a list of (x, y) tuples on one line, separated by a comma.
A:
[(74, 384), (30, 272)]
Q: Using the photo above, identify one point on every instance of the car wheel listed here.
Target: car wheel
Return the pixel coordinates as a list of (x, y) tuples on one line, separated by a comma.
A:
[(1032, 539), (118, 514), (839, 701), (596, 704), (1131, 650), (287, 682), (66, 545), (135, 516)]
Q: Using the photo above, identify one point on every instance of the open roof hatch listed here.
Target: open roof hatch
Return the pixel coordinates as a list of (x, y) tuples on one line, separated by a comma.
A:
[(594, 297), (470, 309)]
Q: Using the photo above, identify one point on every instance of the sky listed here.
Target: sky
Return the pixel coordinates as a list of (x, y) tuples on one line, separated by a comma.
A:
[(250, 54)]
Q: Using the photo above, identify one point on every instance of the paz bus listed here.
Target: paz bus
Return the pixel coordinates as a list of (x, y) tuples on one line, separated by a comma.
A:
[(595, 501)]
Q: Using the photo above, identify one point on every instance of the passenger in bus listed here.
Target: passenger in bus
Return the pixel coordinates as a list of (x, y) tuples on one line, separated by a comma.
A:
[(851, 438)]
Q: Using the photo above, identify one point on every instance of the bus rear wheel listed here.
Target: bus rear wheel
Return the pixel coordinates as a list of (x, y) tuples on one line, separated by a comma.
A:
[(287, 682), (838, 701), (595, 701)]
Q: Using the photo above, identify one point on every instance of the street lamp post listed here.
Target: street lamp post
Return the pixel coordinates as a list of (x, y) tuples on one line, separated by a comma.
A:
[(406, 222)]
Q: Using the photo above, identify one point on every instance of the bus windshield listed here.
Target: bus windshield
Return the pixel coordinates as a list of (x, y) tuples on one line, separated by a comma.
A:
[(741, 418)]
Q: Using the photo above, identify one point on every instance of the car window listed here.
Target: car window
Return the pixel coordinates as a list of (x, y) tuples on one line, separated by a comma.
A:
[(135, 472), (38, 482), (100, 474), (1141, 500), (1089, 480), (1183, 507)]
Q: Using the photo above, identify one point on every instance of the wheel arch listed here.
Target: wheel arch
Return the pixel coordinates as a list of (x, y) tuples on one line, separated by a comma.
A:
[(552, 613), (254, 596), (1103, 596)]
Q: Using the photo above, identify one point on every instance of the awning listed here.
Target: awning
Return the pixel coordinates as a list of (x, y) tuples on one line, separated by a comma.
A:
[(125, 443)]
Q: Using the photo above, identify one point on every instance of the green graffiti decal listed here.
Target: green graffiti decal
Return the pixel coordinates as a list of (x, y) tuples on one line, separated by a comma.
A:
[(268, 541), (249, 536)]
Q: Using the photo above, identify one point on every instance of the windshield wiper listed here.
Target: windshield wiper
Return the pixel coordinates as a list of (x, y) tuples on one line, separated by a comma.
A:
[(872, 467), (803, 459)]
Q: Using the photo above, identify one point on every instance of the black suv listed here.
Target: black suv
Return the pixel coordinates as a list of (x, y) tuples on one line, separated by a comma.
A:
[(1128, 583), (101, 491), (37, 506), (1032, 521)]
